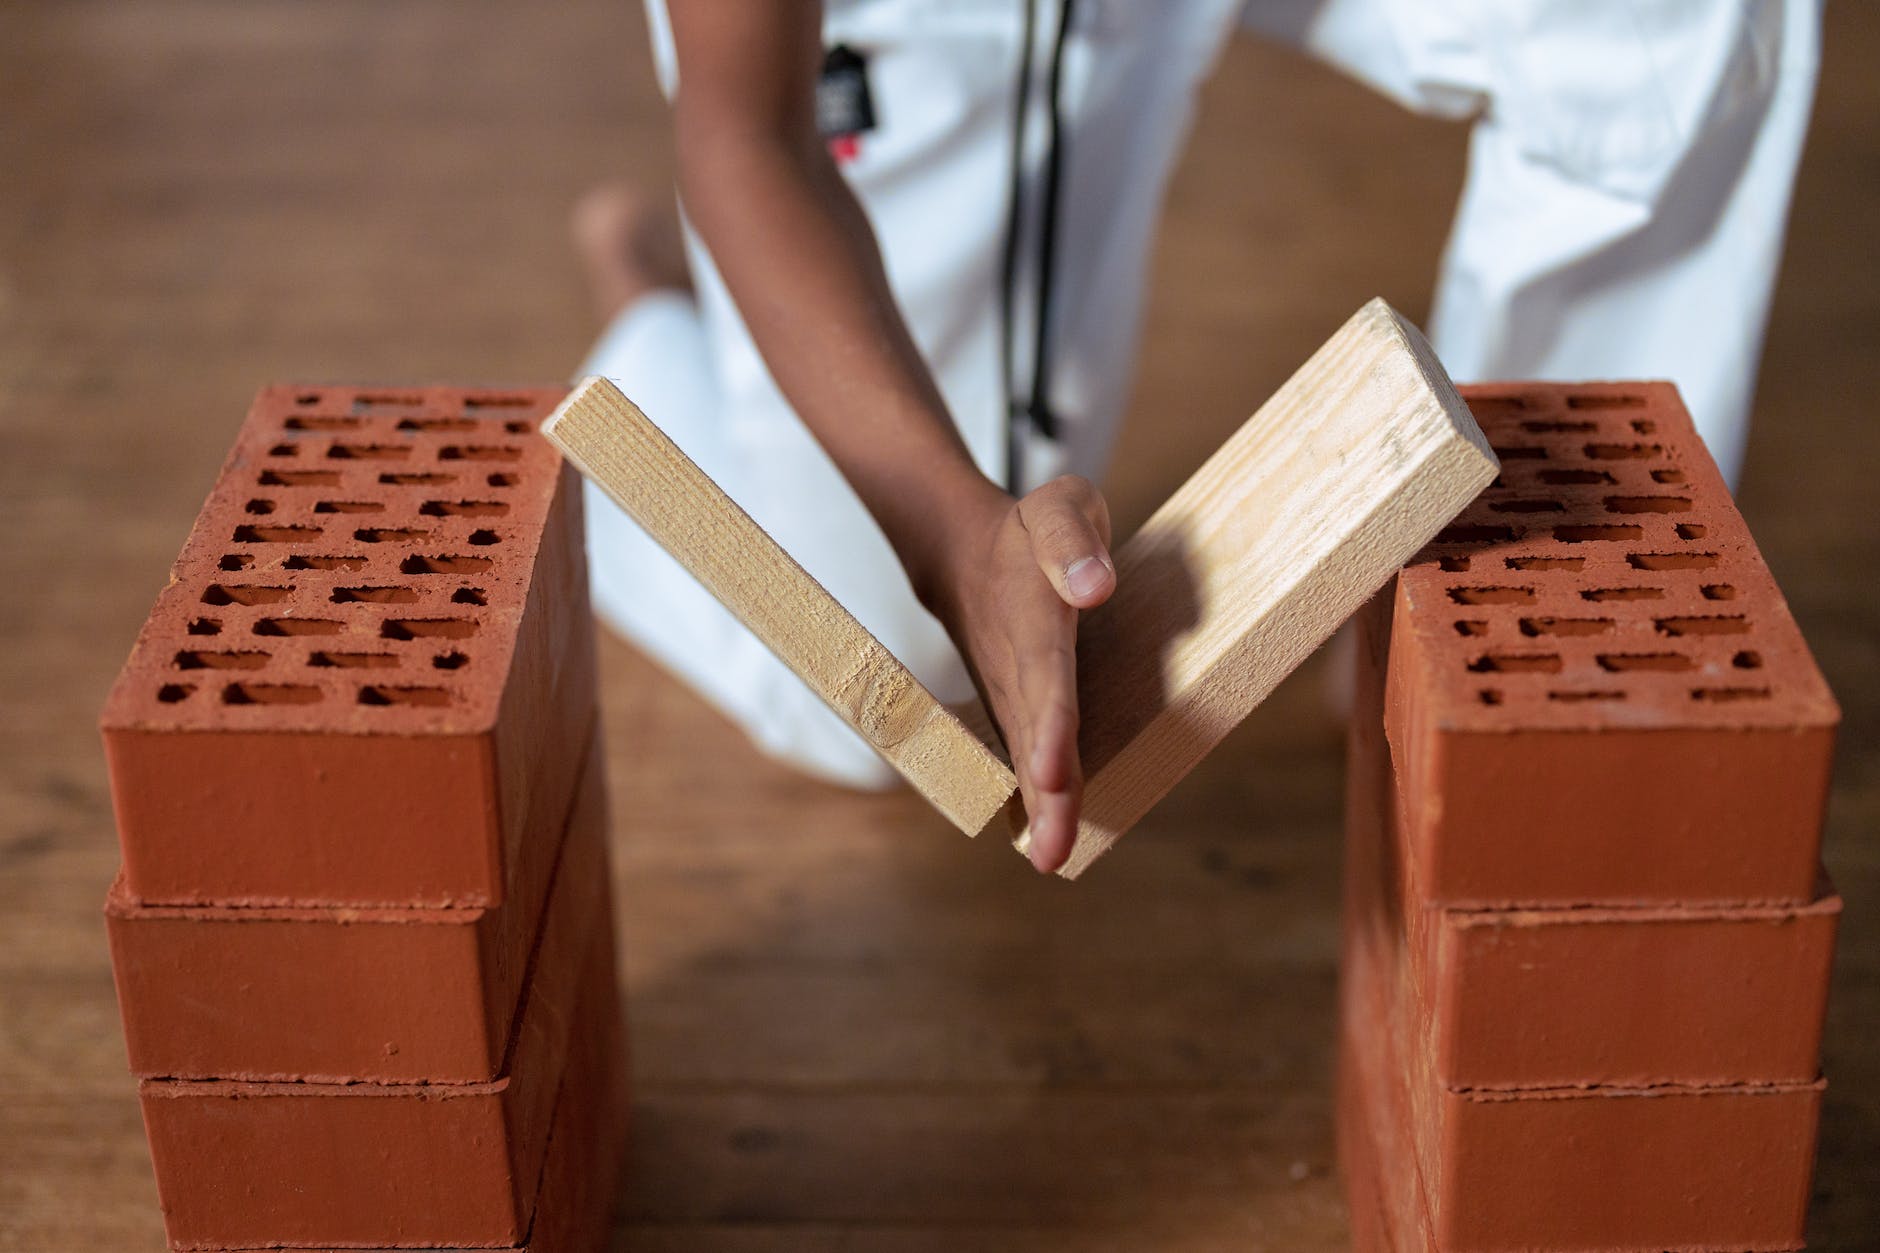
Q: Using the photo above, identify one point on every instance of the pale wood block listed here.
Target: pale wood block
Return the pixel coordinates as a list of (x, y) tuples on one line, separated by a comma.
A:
[(1352, 466), (1358, 460), (659, 487)]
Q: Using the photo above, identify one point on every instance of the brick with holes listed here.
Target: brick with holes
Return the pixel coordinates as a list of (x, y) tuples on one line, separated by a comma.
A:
[(332, 993), (1627, 994), (1432, 1163), (308, 1164), (1597, 693), (367, 659)]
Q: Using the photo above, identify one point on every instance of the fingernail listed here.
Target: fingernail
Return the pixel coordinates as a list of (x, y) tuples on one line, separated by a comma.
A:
[(1085, 576)]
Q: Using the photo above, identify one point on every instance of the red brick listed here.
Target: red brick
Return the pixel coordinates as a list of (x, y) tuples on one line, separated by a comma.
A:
[(1597, 693), (586, 1145), (334, 993), (343, 693), (1591, 995), (301, 1164), (1564, 1167)]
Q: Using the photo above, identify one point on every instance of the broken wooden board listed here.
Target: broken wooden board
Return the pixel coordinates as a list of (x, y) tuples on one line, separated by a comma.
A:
[(620, 449), (1358, 460), (1352, 466)]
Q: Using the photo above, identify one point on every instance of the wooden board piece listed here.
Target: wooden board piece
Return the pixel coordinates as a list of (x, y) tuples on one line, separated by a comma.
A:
[(1352, 466), (620, 449)]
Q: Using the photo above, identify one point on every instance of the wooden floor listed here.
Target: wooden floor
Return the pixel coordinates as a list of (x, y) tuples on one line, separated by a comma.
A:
[(852, 1028)]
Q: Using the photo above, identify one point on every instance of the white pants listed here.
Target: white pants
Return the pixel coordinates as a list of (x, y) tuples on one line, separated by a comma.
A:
[(1629, 180)]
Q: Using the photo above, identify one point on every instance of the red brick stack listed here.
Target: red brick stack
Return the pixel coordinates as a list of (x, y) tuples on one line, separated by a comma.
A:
[(362, 934), (1588, 935)]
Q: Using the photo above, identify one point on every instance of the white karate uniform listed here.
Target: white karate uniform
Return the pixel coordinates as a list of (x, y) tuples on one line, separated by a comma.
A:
[(1629, 179)]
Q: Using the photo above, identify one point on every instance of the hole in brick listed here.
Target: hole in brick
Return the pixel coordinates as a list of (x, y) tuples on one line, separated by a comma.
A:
[(1489, 696), (1468, 627), (375, 595), (1565, 626), (389, 535), (444, 565), (1718, 591), (479, 452), (1719, 625), (463, 508), (516, 426), (321, 422), (1466, 533), (378, 694), (284, 450), (1647, 504), (170, 693), (259, 506), (1597, 532), (1492, 595), (1623, 452), (417, 479), (1545, 563), (1623, 593), (299, 478), (1516, 663), (1528, 506), (303, 562), (1575, 697), (369, 452), (1520, 452), (501, 479), (484, 538), (277, 534), (244, 594), (385, 400), (1748, 659), (1730, 693), (1544, 428), (1645, 426), (353, 661), (235, 561), (428, 628), (1667, 476), (469, 596), (237, 659), (1565, 478), (270, 694), (495, 400), (1621, 663), (298, 626), (205, 626), (1605, 402), (1671, 561), (307, 398), (437, 424), (1454, 565), (348, 506), (452, 660), (1692, 530)]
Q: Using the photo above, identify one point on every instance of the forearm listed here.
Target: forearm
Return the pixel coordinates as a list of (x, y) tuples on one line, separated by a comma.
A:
[(797, 254)]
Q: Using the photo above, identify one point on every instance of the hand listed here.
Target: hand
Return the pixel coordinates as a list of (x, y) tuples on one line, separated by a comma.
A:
[(1012, 576)]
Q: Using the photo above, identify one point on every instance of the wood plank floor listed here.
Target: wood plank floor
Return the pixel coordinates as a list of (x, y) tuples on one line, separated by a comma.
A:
[(852, 1028)]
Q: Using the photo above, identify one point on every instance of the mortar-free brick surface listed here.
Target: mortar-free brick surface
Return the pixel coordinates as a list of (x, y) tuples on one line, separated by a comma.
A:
[(322, 1164), (1641, 994), (342, 694), (1598, 694), (333, 993), (1564, 1167)]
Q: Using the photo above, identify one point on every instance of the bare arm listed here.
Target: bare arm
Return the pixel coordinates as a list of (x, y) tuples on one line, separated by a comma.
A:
[(1006, 577)]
